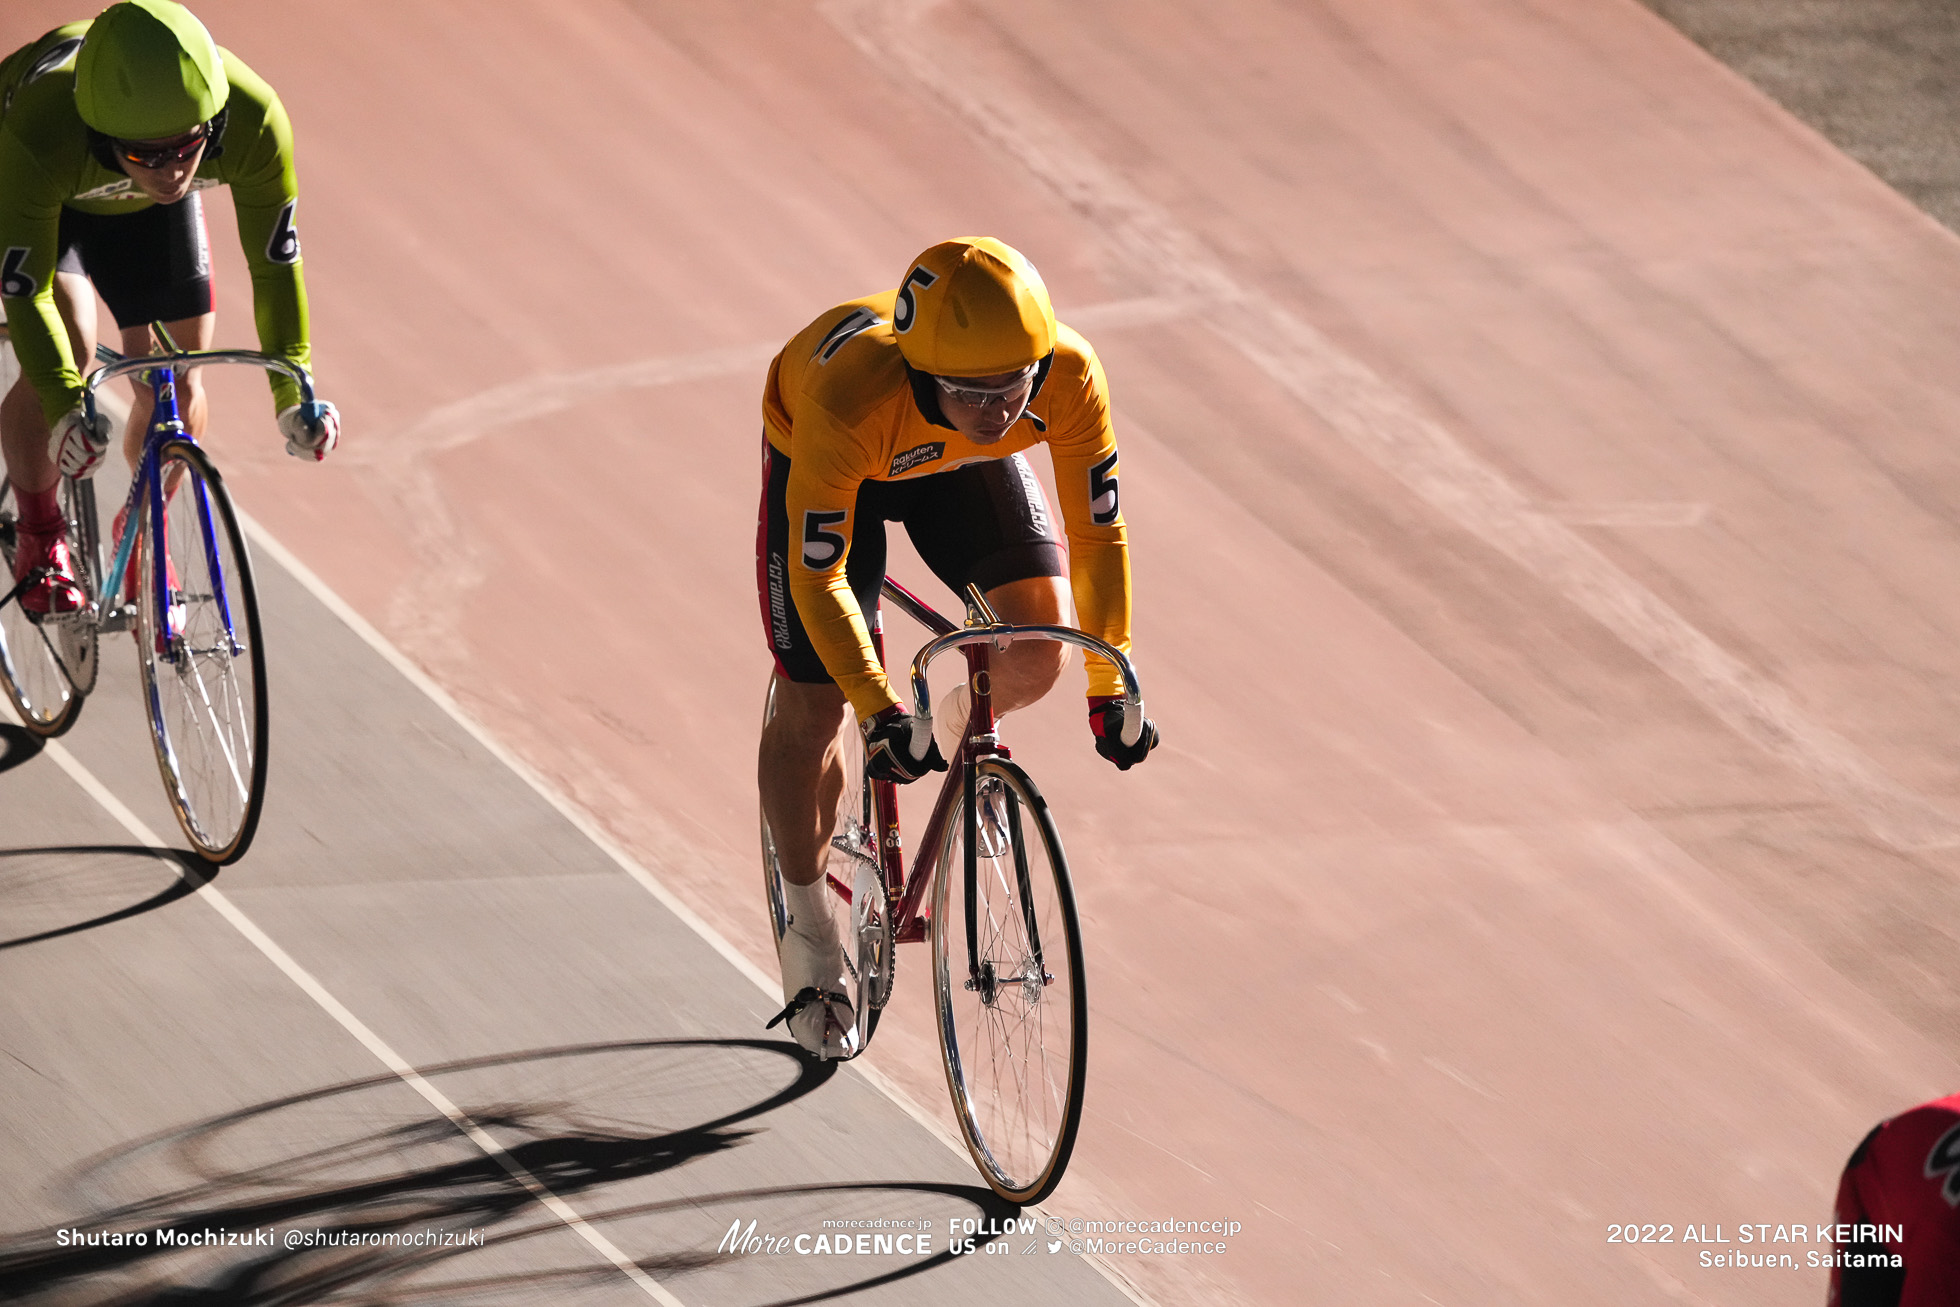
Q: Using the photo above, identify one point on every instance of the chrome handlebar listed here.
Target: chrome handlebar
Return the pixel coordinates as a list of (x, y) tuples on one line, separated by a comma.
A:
[(190, 359), (1000, 635)]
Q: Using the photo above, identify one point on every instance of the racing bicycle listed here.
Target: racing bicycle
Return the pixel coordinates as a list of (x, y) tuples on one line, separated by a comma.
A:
[(989, 889), (177, 575)]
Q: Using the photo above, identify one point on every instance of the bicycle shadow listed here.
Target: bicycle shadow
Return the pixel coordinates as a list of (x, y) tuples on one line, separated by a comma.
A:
[(74, 876), (240, 1172), (18, 745)]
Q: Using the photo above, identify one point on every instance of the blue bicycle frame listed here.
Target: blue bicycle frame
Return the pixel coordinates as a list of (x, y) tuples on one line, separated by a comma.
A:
[(166, 425)]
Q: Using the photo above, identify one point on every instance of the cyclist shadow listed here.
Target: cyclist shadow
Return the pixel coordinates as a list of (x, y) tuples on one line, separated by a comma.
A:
[(417, 1176), (18, 745), (68, 874)]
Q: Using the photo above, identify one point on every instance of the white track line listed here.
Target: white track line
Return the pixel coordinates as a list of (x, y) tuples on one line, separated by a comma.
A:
[(475, 416), (354, 1026), (1380, 421)]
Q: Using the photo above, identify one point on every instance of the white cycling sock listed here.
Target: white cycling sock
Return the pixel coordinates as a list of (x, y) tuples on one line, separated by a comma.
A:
[(809, 908)]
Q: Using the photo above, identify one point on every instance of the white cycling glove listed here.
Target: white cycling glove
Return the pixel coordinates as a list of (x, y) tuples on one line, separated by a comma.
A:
[(310, 439), (76, 445)]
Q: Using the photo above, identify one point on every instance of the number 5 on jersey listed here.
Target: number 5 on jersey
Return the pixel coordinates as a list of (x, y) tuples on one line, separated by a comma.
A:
[(821, 548), (1103, 507)]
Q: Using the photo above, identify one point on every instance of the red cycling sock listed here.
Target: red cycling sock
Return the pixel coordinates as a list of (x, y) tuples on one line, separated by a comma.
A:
[(40, 511)]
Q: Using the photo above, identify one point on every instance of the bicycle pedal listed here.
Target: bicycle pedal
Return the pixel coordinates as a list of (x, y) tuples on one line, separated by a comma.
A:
[(119, 618)]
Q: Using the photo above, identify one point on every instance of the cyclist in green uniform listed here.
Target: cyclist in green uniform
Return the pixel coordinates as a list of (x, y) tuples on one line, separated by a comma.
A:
[(108, 130)]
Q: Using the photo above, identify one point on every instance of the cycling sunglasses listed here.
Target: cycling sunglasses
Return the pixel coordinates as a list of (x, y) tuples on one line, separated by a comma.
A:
[(148, 154), (966, 392)]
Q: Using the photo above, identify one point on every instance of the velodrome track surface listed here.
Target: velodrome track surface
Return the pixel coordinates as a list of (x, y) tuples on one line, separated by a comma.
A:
[(1537, 448)]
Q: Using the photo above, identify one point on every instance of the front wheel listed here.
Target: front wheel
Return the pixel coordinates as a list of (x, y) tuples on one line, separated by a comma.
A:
[(197, 633), (1008, 974)]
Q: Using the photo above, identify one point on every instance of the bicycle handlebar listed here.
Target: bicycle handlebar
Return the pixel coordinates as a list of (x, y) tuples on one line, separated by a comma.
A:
[(126, 363), (1000, 635)]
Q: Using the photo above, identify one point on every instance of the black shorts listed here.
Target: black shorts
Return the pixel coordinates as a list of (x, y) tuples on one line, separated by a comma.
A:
[(984, 524), (151, 265)]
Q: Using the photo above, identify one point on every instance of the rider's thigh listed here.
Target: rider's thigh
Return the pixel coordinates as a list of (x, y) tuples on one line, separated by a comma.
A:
[(198, 332), (1031, 667), (1034, 600)]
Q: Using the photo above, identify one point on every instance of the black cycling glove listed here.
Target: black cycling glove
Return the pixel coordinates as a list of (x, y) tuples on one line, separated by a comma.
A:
[(891, 750), (1106, 720)]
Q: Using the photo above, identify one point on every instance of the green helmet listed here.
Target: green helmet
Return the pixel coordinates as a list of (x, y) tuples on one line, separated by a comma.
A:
[(147, 71)]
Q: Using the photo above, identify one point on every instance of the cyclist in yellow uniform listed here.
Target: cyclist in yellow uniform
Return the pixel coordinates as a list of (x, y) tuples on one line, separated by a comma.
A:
[(914, 406), (108, 130)]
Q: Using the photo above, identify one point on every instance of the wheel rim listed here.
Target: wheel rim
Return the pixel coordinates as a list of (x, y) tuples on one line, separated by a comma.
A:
[(202, 667), (39, 688), (1011, 1029)]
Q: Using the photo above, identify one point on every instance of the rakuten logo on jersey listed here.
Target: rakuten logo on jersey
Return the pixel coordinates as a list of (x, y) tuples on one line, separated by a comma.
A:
[(918, 456)]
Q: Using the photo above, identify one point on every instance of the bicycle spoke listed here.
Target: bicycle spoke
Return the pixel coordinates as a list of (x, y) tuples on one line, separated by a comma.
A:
[(208, 681), (226, 723), (1012, 1018)]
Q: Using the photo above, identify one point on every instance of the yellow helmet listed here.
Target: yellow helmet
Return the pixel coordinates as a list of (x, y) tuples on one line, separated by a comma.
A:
[(972, 307)]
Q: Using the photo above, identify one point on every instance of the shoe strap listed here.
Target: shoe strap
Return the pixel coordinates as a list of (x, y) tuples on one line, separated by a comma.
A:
[(804, 998)]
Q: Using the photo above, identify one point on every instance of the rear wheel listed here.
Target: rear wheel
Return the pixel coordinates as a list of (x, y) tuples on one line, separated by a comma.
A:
[(1007, 958), (197, 632), (851, 867), (48, 666)]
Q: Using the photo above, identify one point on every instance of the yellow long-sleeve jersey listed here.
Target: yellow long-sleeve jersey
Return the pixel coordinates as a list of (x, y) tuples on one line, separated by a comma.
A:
[(839, 404)]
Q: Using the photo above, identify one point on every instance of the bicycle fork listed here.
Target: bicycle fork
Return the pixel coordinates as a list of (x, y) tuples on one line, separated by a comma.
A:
[(982, 973)]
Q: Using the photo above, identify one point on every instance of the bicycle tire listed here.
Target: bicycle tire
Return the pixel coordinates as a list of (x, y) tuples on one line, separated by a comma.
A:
[(203, 660), (851, 863), (1013, 1017), (47, 670)]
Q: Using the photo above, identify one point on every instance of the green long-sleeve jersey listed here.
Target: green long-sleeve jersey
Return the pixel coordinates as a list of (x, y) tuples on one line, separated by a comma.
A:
[(47, 162)]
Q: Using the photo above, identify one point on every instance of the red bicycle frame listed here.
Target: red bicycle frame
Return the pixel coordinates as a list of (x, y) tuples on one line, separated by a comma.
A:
[(905, 898)]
